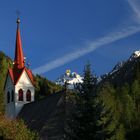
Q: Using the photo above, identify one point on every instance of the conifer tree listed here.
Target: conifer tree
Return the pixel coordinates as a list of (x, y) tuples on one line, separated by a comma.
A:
[(90, 120), (81, 124)]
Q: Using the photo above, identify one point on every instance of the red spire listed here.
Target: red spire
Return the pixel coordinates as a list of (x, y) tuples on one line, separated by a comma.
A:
[(19, 65), (19, 57)]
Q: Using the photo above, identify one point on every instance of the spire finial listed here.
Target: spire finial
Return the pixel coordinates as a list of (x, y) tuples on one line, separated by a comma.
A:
[(18, 21), (18, 15)]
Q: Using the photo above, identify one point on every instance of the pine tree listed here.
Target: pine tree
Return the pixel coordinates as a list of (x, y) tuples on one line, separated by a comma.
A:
[(81, 124), (91, 119), (86, 89)]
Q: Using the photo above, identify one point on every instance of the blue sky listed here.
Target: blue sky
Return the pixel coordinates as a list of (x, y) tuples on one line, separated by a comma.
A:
[(65, 34)]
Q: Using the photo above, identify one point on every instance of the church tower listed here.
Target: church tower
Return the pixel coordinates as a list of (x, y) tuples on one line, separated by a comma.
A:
[(19, 86)]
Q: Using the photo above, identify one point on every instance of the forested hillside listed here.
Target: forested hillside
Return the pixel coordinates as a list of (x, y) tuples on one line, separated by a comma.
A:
[(121, 92), (109, 110), (127, 73), (44, 87)]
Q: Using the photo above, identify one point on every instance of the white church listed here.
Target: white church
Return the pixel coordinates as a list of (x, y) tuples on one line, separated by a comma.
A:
[(19, 86)]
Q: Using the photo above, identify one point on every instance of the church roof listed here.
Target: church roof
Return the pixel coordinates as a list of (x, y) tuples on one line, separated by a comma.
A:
[(15, 74)]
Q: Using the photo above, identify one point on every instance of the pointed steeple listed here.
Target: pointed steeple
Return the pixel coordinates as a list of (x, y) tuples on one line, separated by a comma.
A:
[(19, 57)]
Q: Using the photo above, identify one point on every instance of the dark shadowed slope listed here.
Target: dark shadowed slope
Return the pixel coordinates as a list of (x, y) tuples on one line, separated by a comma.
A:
[(45, 116), (125, 74)]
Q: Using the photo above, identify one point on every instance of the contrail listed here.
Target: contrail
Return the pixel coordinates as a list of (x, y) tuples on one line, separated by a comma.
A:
[(135, 7), (110, 38), (87, 49)]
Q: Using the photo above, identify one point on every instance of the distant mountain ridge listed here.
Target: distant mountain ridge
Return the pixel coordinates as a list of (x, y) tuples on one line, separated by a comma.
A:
[(71, 78), (124, 72), (123, 69), (136, 54)]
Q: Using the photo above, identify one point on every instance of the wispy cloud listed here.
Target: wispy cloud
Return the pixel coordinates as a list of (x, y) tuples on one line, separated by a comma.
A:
[(135, 7), (87, 49), (109, 38)]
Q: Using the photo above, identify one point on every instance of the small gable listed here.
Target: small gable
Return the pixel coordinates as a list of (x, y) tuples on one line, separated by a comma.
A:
[(16, 74), (24, 79)]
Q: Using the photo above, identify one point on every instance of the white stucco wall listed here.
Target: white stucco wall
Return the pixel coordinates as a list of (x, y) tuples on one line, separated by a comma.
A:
[(24, 83), (9, 107)]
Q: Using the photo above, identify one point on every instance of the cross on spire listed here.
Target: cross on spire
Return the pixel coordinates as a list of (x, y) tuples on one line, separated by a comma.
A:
[(18, 13)]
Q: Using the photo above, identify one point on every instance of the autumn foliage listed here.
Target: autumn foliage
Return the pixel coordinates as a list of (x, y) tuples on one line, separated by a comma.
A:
[(15, 130)]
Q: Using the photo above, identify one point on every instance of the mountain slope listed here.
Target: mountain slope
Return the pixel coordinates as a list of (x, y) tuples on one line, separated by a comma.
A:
[(46, 116), (124, 72), (120, 91)]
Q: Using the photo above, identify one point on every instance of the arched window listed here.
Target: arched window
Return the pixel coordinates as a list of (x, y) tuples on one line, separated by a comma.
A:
[(8, 97), (12, 96), (28, 95), (20, 95)]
